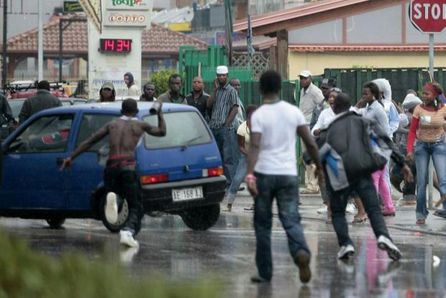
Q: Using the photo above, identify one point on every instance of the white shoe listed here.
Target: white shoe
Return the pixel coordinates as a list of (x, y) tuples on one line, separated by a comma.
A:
[(350, 208), (127, 239), (322, 210), (386, 244), (346, 252), (111, 208)]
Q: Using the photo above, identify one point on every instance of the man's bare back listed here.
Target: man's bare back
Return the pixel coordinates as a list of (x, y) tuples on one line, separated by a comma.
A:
[(124, 135)]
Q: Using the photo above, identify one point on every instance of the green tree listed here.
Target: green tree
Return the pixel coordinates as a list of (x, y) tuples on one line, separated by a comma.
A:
[(161, 80)]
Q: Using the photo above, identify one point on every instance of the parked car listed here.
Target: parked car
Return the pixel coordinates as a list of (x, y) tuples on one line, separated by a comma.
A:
[(180, 173), (16, 106), (25, 89)]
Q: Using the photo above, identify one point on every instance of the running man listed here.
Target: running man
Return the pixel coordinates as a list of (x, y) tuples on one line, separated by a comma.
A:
[(272, 173), (119, 174)]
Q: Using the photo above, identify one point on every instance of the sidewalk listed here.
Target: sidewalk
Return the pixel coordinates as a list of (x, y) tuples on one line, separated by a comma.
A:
[(403, 220)]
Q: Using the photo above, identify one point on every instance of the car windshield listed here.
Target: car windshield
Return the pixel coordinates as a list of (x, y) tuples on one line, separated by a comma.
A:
[(183, 129)]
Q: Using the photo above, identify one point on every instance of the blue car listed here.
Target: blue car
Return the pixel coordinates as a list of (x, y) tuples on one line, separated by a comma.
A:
[(180, 173)]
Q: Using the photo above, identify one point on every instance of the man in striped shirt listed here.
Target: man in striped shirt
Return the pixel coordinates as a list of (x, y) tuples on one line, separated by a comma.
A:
[(224, 104)]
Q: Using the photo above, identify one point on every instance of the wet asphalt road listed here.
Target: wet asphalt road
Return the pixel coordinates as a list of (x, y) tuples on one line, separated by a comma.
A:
[(226, 252)]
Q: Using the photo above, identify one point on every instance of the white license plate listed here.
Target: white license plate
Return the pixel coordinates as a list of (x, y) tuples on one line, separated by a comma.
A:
[(185, 194)]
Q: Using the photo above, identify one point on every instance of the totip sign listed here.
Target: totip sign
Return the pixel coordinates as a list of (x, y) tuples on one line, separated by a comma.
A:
[(428, 16)]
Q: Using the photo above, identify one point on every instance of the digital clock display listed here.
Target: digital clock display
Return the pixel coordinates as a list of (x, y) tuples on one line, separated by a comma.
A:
[(111, 45)]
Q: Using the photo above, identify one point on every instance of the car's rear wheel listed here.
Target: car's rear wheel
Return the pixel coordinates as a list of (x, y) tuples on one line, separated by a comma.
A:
[(201, 218), (123, 215), (55, 222)]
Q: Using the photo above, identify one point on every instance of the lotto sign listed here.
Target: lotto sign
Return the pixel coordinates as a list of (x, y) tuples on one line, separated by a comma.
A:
[(129, 4), (428, 15)]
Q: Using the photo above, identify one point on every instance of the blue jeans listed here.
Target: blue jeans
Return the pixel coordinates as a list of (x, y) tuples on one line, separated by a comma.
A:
[(423, 152), (227, 145), (240, 174), (338, 201), (286, 191)]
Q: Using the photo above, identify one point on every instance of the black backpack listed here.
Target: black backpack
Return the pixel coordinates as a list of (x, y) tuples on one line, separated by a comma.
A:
[(350, 136)]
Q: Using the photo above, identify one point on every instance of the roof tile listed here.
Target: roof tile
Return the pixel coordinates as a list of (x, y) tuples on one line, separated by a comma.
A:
[(363, 48), (155, 40)]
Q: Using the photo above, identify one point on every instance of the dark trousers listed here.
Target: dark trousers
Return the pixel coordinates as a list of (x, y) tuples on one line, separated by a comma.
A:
[(286, 191), (338, 201), (125, 184), (227, 145)]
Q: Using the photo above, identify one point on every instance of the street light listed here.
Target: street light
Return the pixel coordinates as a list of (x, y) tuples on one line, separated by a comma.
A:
[(5, 40)]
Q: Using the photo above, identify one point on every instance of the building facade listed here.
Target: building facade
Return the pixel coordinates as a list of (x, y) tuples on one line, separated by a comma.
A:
[(346, 34)]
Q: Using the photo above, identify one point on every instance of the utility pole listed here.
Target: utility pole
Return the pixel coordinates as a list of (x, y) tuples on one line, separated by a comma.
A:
[(5, 40), (40, 44), (228, 30)]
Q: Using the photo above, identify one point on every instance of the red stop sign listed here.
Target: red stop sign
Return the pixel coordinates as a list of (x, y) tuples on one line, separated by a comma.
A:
[(428, 15)]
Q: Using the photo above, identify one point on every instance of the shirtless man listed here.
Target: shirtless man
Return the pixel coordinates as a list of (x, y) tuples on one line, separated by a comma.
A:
[(119, 174)]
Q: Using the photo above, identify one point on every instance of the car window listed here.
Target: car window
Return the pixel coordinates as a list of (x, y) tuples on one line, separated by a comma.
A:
[(45, 134), (183, 129), (16, 106), (89, 125)]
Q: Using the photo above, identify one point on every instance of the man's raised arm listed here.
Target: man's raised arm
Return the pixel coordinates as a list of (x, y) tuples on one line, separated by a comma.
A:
[(85, 145), (160, 130)]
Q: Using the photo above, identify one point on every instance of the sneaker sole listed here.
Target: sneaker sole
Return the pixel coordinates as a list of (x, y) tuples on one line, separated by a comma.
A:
[(129, 243), (111, 208), (395, 255), (303, 262), (347, 255)]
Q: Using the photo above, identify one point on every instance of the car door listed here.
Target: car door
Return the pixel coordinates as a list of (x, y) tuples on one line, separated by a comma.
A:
[(31, 161), (86, 173)]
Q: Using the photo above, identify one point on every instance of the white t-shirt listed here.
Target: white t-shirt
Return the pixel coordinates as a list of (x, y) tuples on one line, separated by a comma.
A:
[(309, 99), (133, 91), (278, 123), (325, 118)]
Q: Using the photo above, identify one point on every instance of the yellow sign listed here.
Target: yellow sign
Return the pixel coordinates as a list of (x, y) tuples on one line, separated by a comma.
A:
[(180, 27)]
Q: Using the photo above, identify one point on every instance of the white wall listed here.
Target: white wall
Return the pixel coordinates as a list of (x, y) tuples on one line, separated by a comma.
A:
[(111, 67)]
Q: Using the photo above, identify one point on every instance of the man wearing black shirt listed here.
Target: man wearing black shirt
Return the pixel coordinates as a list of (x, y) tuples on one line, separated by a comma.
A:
[(198, 98)]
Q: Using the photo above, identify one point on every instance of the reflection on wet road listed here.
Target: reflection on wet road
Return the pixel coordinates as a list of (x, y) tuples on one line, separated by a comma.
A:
[(226, 252)]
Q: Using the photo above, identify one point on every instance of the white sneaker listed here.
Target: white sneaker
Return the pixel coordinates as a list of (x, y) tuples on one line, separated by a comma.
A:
[(127, 239), (346, 252), (350, 208), (322, 210), (111, 208), (386, 244)]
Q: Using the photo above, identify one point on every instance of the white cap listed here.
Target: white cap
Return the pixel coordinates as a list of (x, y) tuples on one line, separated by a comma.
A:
[(305, 74), (222, 69)]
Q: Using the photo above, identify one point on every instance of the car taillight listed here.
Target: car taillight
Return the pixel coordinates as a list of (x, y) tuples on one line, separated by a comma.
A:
[(153, 179), (212, 172)]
